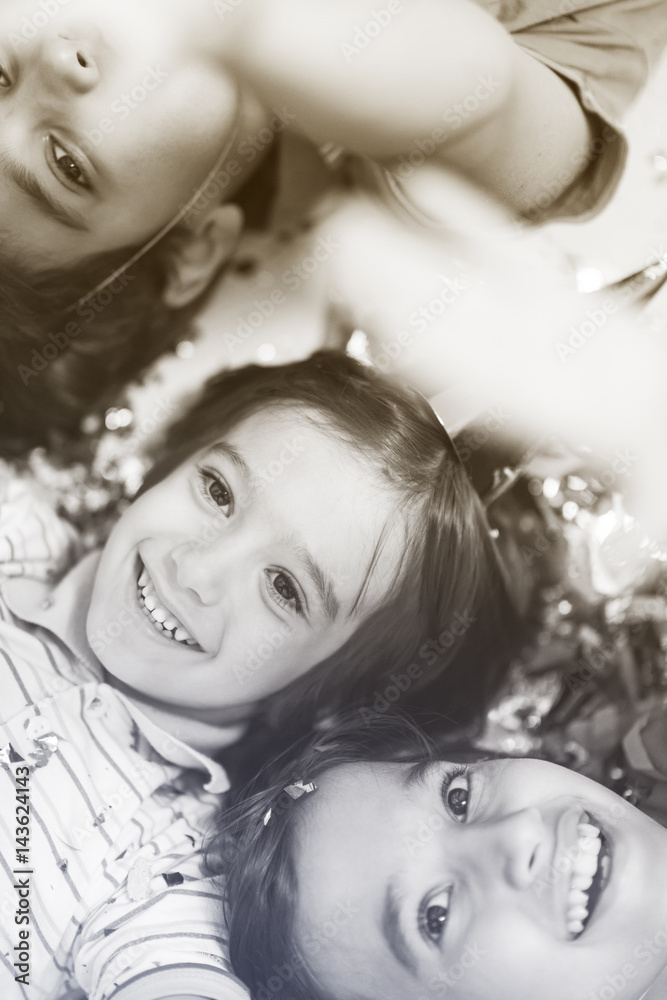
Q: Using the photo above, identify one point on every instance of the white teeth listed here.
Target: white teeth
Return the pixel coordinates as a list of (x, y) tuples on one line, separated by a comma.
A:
[(585, 864), (590, 845), (584, 867), (163, 621)]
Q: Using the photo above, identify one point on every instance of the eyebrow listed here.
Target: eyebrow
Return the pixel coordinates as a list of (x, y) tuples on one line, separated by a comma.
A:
[(235, 456), (30, 184), (393, 932), (323, 584), (419, 773)]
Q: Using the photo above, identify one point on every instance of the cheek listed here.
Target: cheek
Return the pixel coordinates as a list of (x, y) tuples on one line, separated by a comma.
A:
[(268, 656), (270, 659), (511, 959), (160, 511), (188, 117), (506, 957), (308, 650)]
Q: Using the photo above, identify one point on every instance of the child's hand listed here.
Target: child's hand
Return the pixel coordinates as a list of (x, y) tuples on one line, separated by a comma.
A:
[(34, 541), (480, 321)]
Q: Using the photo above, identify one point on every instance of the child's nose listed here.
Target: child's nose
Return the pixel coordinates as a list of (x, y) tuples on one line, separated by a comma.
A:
[(519, 842), (210, 567), (71, 62)]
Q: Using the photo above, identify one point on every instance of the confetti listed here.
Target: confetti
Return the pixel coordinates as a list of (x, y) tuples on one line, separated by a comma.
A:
[(139, 880), (298, 789), (8, 755)]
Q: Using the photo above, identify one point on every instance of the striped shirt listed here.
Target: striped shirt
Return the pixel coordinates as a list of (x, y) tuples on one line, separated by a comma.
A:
[(101, 889)]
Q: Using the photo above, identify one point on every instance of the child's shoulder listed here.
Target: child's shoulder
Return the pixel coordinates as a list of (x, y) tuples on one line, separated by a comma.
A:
[(608, 45), (604, 50), (645, 750), (172, 938)]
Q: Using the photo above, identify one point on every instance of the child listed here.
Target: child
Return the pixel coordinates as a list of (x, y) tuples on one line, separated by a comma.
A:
[(306, 530), (158, 113), (143, 99), (369, 866)]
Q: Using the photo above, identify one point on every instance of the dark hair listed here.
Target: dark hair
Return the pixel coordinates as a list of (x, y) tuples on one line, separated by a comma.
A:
[(253, 851), (62, 358), (448, 615)]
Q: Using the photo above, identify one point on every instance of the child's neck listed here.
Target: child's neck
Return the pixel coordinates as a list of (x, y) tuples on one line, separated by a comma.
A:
[(204, 730)]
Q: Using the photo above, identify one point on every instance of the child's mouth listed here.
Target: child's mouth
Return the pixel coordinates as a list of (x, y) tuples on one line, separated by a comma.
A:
[(591, 868), (162, 618)]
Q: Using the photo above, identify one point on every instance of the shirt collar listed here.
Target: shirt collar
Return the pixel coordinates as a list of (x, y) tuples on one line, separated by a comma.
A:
[(63, 609)]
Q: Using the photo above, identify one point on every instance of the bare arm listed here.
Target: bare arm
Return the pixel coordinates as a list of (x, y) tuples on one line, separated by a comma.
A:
[(380, 80)]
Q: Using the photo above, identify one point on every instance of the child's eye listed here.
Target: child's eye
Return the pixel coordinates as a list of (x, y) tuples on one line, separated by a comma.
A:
[(456, 793), (5, 82), (433, 915), (215, 490), (67, 165), (283, 590)]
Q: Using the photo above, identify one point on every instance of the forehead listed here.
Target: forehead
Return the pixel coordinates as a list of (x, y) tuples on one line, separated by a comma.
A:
[(296, 484), (307, 482), (346, 816), (307, 449), (348, 845), (351, 797)]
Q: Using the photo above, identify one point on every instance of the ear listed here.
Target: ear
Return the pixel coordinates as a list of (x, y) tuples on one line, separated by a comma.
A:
[(196, 254)]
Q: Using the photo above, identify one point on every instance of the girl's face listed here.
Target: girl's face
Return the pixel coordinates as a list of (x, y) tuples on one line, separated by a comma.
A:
[(110, 118), (473, 882), (242, 569)]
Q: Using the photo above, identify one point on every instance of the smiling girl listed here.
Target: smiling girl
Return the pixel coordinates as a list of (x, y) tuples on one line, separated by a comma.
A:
[(304, 532), (351, 485), (368, 866)]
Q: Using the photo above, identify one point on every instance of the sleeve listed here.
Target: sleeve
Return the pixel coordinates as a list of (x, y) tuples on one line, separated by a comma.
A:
[(645, 748), (645, 745), (34, 541), (171, 943), (605, 49)]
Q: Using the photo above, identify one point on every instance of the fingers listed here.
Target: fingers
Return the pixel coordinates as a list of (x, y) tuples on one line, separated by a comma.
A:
[(34, 541)]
